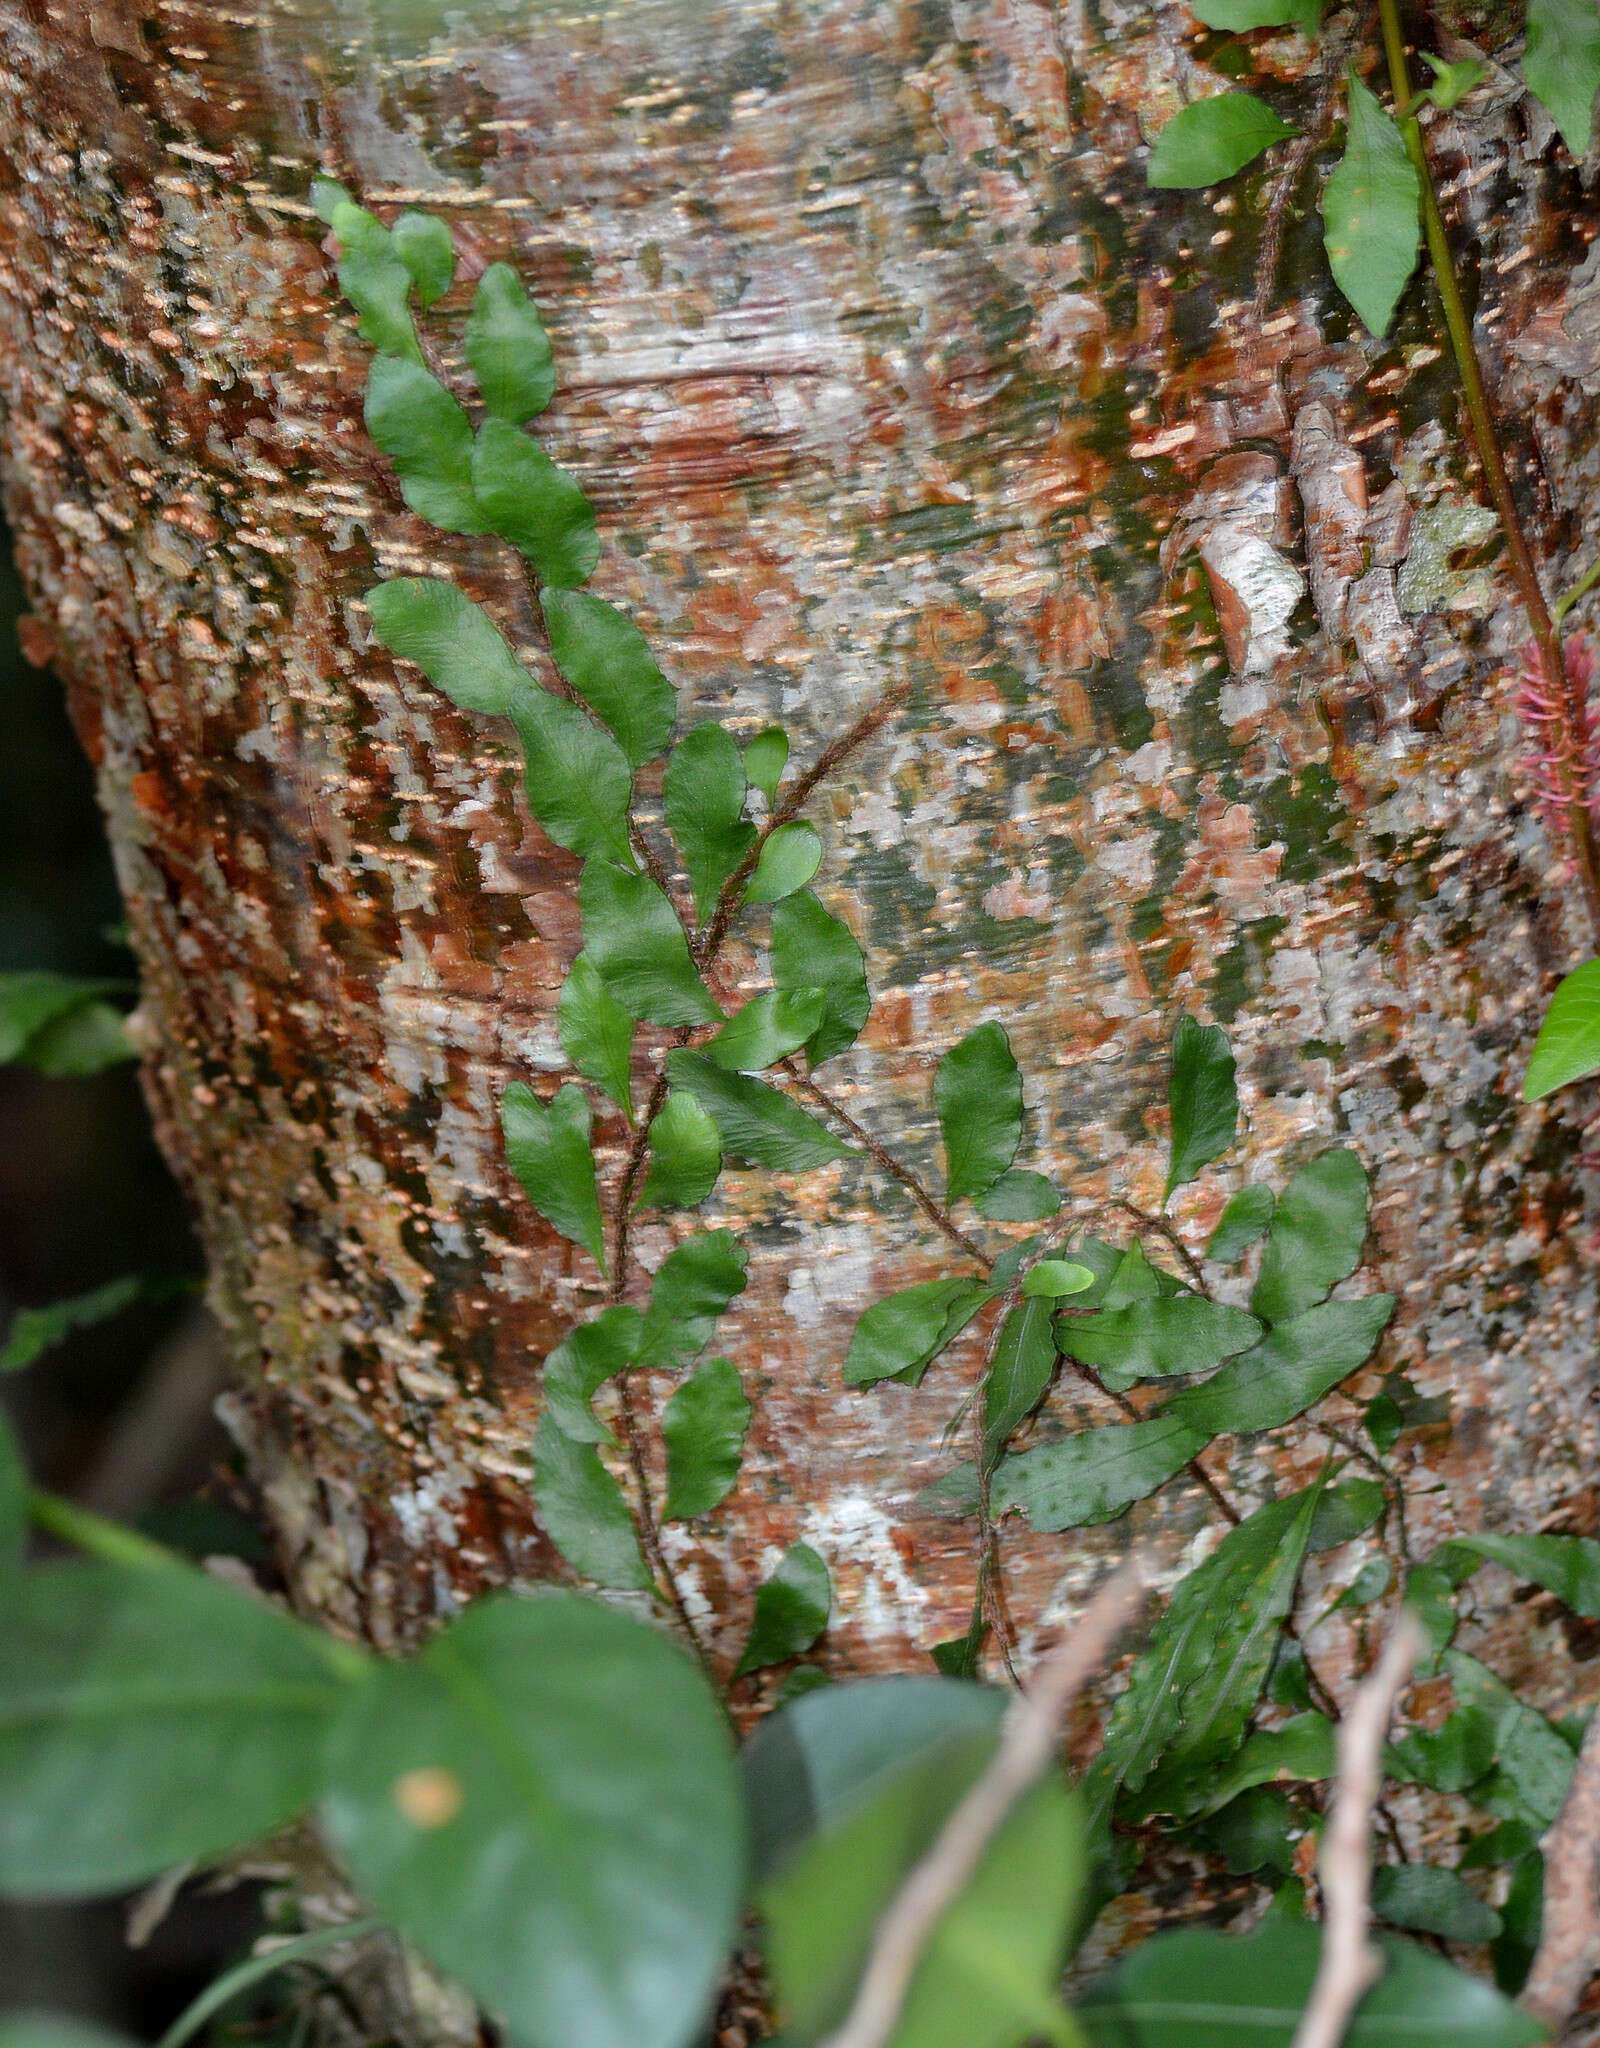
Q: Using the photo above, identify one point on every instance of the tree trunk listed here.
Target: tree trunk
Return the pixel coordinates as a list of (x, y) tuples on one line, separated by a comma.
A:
[(883, 369)]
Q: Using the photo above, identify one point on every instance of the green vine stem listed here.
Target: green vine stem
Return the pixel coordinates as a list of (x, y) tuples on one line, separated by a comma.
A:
[(1545, 631)]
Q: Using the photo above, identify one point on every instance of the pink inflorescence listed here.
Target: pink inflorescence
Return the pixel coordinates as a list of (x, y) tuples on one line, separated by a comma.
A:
[(1561, 724)]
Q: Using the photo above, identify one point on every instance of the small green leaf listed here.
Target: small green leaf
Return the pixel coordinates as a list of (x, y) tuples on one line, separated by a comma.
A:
[(1247, 1215), (811, 948), (583, 1512), (422, 243), (85, 1041), (148, 1717), (1346, 1510), (1201, 1989), (1371, 210), (507, 347), (901, 1334), (580, 1365), (1024, 1365), (1429, 1900), (693, 1286), (1203, 1100), (758, 1125), (1157, 1336), (1568, 1566), (769, 1027), (455, 643), (375, 280), (1452, 82), (1096, 1475), (428, 438), (704, 791), (1301, 1751), (792, 1608), (765, 758), (604, 657), (1316, 1237), (978, 1090), (1568, 1045), (522, 496), (548, 1148), (1019, 1197), (789, 858), (703, 1428), (1534, 1761), (545, 1801), (1054, 1278), (33, 1001), (1294, 1365), (34, 1331), (327, 194), (577, 783), (1212, 139), (1562, 66), (632, 934), (1450, 1758), (685, 1155), (596, 1033), (1194, 1687)]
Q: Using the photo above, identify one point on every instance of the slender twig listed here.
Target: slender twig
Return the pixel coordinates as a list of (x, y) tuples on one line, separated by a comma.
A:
[(1349, 1963), (1027, 1743), (1565, 688), (1568, 1954)]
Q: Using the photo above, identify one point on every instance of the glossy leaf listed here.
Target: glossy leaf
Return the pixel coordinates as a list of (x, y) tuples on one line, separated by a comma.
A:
[(1019, 1197), (583, 1512), (507, 348), (632, 934), (148, 1716), (604, 657), (1054, 1279), (33, 1001), (792, 1607), (685, 1155), (547, 1145), (811, 948), (703, 792), (1371, 209), (978, 1091), (458, 647), (1317, 1233), (1562, 67), (693, 1286), (34, 1331), (580, 1365), (422, 243), (1194, 1687), (1534, 1761), (375, 279), (428, 437), (768, 1028), (758, 1125), (1300, 1752), (1247, 1215), (1203, 1100), (1568, 1046), (1293, 1366), (527, 500), (1346, 1510), (544, 1800), (1568, 1566), (789, 857), (1024, 1365), (901, 1334), (577, 783), (765, 758), (1164, 1334), (1095, 1475), (1212, 138), (987, 1978), (703, 1427), (1430, 1900), (1201, 1989), (596, 1033), (809, 1766)]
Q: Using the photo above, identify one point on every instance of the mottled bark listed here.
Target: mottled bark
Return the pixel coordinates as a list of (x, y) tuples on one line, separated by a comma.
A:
[(882, 367)]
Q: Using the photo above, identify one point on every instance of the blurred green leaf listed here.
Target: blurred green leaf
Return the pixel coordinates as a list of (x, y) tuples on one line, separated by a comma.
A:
[(422, 243), (639, 949), (789, 857), (1019, 1197), (1210, 140), (1024, 1365), (1292, 1367), (596, 1033), (34, 1331), (978, 1091), (1203, 1099), (704, 791), (1449, 1758), (901, 1334), (1247, 1215), (811, 948), (1534, 1761), (583, 1512), (523, 497), (547, 1145), (33, 1002), (14, 1491), (373, 277), (1156, 1337), (1317, 1233), (1094, 1475), (1371, 209), (603, 655), (692, 1288), (580, 1365), (757, 1124), (507, 348), (1429, 1900), (703, 1428), (685, 1155), (792, 1607), (414, 420), (1562, 69), (1568, 1566), (1568, 1046), (453, 641), (576, 780), (1054, 1279), (768, 1028), (765, 758)]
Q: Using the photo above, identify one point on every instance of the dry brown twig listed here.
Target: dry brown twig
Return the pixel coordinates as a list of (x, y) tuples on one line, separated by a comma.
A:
[(1349, 1963), (1027, 1744), (1568, 1954)]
